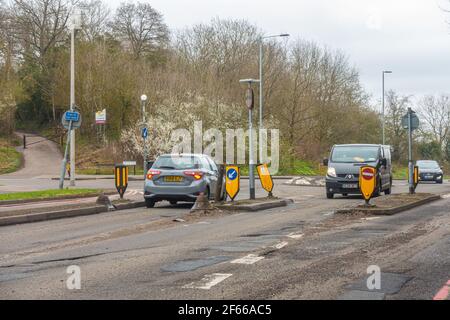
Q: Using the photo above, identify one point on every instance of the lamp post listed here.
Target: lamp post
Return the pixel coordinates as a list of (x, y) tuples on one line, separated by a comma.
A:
[(250, 104), (76, 25), (382, 112), (144, 133), (261, 83)]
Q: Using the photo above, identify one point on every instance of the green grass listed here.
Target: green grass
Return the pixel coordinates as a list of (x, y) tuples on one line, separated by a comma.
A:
[(299, 168), (10, 159), (46, 194), (107, 171)]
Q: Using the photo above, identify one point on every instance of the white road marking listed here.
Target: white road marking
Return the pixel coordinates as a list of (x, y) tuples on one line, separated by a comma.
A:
[(208, 281), (446, 196), (250, 259), (295, 236), (281, 245), (371, 218)]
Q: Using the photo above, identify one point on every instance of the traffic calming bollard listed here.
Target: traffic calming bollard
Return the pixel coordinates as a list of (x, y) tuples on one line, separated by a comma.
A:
[(121, 179), (367, 182)]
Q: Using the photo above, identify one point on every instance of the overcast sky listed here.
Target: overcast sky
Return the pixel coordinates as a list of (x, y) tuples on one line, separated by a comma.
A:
[(409, 37)]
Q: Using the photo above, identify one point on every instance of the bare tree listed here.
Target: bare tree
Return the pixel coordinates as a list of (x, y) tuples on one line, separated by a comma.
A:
[(41, 24), (95, 19), (397, 107), (435, 112), (141, 27)]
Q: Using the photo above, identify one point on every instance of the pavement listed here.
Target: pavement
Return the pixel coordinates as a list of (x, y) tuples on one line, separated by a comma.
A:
[(302, 251)]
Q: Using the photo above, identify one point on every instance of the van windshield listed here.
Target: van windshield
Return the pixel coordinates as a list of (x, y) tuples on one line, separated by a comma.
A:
[(354, 154)]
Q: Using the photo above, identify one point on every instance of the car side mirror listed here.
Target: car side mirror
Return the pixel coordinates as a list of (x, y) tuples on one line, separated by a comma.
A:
[(384, 162), (325, 162)]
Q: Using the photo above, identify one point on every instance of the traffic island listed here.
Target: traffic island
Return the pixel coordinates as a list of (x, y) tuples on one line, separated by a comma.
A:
[(255, 205), (392, 204)]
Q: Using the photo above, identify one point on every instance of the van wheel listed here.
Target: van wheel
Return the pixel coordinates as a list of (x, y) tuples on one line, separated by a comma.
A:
[(149, 203), (173, 203), (330, 195), (345, 194)]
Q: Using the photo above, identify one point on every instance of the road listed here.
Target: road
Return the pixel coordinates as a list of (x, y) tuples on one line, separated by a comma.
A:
[(302, 251)]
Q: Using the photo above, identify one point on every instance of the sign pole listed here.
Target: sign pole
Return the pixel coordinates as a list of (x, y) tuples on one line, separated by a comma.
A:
[(410, 156), (251, 160), (64, 161)]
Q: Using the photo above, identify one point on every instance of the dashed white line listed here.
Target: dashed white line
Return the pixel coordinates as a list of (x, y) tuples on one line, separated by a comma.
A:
[(208, 281), (295, 236), (281, 245), (250, 259)]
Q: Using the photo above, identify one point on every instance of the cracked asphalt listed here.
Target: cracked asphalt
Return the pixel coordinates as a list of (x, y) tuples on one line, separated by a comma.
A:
[(302, 251)]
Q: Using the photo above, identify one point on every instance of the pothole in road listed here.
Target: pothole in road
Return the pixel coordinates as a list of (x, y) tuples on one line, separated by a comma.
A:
[(191, 265)]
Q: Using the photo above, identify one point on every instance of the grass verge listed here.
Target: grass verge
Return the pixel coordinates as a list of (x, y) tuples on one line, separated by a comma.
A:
[(10, 158), (48, 194)]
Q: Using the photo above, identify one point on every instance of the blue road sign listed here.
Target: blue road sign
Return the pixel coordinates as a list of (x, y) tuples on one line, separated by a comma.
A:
[(144, 133), (72, 116), (232, 174)]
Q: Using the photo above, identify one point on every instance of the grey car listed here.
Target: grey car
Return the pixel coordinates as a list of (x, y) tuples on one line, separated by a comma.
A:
[(430, 170), (180, 177)]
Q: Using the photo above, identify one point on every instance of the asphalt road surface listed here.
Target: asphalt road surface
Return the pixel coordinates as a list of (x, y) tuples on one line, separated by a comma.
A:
[(303, 251)]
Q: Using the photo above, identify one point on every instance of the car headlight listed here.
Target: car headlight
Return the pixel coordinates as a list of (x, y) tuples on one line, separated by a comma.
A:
[(331, 172)]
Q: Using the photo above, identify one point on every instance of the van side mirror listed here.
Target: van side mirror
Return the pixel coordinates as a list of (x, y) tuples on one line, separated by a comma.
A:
[(325, 162)]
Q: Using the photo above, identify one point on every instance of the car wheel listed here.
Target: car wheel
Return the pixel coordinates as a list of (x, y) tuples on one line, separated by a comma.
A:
[(345, 194), (208, 193), (440, 181), (330, 195), (149, 203), (174, 203)]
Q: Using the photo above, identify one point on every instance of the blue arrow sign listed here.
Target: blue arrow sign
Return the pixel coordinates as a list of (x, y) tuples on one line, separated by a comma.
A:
[(72, 116), (232, 174), (144, 133)]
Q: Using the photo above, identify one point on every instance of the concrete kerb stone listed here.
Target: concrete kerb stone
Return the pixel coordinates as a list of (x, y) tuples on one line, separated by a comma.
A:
[(69, 213), (389, 211), (67, 197), (253, 207)]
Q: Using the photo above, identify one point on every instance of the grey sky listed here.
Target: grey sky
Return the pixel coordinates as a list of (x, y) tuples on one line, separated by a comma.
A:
[(409, 37)]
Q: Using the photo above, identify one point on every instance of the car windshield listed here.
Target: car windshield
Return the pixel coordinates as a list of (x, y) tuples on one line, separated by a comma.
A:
[(354, 154), (428, 165), (177, 162)]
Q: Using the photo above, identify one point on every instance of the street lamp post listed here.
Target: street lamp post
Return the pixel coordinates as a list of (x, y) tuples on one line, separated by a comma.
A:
[(76, 25), (144, 136), (252, 163), (382, 112), (261, 84)]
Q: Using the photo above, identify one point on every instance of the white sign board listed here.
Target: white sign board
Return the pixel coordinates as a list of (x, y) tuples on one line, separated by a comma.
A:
[(100, 117), (129, 163)]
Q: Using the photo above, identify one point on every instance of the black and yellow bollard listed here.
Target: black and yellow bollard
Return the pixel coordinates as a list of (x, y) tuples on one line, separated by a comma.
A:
[(121, 179)]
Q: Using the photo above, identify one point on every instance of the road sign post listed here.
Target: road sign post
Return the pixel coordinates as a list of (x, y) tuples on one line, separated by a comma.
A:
[(121, 179), (71, 120), (250, 102), (232, 181), (410, 122), (367, 182), (266, 178)]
